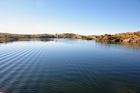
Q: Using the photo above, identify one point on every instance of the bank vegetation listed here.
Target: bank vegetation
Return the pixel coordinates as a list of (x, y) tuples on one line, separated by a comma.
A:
[(130, 37)]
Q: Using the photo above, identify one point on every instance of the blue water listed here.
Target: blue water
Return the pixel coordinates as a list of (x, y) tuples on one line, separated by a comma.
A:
[(68, 66)]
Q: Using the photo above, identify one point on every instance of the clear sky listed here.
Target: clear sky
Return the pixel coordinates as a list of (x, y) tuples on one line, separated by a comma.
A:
[(69, 16)]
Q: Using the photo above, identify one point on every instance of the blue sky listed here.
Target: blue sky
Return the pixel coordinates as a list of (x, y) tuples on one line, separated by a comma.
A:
[(69, 16)]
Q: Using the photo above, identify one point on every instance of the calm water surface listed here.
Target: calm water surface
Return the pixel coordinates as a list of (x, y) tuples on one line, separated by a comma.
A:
[(68, 66)]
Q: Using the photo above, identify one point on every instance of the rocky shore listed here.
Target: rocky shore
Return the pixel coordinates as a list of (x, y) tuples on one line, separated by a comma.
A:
[(133, 37)]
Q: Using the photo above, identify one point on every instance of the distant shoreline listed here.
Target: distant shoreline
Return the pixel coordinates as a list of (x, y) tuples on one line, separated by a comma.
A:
[(130, 37)]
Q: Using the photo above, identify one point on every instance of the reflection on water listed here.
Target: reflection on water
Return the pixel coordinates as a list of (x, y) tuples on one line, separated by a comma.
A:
[(135, 46), (68, 66), (29, 39)]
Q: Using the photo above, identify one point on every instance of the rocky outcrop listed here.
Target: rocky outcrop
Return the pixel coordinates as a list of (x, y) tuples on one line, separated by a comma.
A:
[(124, 37)]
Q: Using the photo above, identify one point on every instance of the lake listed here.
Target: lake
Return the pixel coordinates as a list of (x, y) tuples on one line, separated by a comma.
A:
[(69, 66)]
